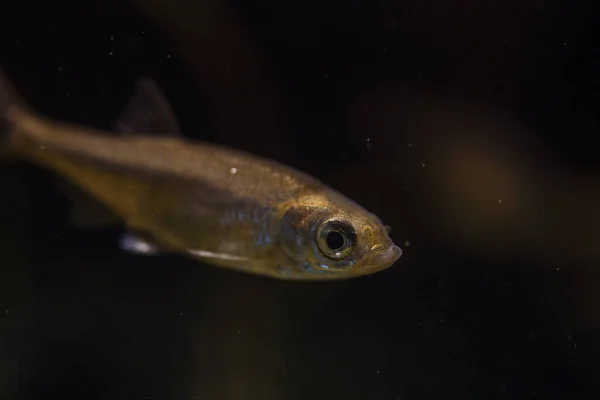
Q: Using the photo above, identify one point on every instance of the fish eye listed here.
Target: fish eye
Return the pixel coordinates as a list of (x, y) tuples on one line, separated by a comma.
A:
[(336, 238)]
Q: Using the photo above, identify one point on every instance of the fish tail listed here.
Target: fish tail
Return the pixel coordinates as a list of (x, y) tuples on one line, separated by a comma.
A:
[(11, 105)]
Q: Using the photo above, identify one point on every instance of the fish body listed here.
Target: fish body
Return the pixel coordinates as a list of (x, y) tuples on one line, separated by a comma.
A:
[(222, 206)]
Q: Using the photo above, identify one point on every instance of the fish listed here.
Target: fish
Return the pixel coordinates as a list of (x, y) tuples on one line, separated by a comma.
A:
[(218, 205)]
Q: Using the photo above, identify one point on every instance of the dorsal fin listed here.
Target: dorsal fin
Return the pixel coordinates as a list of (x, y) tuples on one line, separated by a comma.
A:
[(148, 112)]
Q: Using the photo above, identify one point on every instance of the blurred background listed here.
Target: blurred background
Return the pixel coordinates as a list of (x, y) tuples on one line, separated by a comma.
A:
[(470, 127)]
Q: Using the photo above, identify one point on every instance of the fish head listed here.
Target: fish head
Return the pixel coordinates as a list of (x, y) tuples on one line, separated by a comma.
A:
[(329, 237)]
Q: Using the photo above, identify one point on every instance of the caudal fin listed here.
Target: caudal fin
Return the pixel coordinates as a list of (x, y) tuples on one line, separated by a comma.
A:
[(10, 105)]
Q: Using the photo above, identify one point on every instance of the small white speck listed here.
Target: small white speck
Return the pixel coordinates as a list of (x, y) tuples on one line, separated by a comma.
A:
[(409, 144), (558, 268), (564, 44), (377, 372), (110, 53), (142, 32), (385, 49), (500, 201), (101, 93), (369, 144), (112, 37), (406, 243), (7, 313), (233, 170), (181, 314), (16, 41), (423, 165), (60, 69), (168, 56)]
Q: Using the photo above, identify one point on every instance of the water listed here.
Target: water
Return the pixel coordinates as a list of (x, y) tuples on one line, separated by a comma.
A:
[(472, 141)]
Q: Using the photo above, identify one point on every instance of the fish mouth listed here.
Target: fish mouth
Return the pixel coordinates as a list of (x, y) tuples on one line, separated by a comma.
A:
[(386, 258)]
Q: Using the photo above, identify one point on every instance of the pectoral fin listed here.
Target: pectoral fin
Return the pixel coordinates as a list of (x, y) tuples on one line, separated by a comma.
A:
[(210, 255), (234, 262)]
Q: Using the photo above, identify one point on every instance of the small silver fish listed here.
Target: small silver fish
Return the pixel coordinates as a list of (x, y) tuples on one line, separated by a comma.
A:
[(218, 205)]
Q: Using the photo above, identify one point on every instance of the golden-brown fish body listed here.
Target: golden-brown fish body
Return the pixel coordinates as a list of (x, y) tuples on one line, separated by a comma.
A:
[(222, 206)]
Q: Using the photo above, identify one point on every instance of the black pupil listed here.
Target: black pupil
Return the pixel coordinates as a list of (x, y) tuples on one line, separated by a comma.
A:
[(335, 240)]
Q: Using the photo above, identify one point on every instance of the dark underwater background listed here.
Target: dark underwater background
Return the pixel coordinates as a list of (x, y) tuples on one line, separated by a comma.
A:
[(470, 127)]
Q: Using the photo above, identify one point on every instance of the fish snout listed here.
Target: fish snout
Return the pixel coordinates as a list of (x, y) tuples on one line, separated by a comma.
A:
[(387, 257)]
